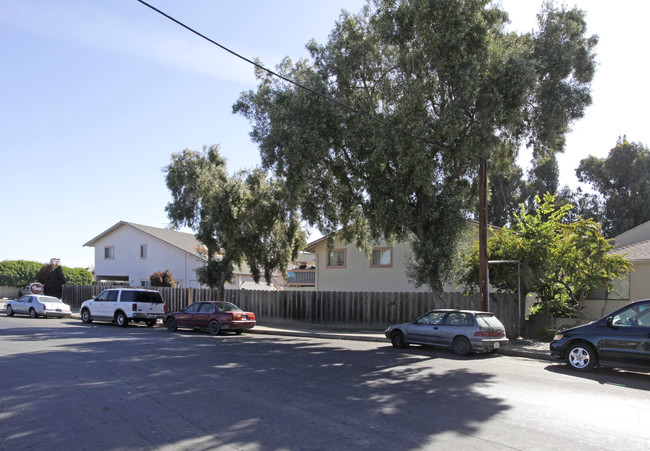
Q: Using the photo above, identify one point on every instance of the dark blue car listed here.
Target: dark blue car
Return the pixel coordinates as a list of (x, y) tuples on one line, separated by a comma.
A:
[(620, 339)]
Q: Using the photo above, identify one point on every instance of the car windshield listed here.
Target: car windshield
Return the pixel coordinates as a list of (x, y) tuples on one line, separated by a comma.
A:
[(227, 307), (49, 299), (488, 320)]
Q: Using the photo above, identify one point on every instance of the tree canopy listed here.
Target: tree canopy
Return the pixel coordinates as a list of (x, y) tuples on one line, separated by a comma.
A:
[(561, 262), (240, 218), (162, 279), (622, 180), (18, 273), (446, 84)]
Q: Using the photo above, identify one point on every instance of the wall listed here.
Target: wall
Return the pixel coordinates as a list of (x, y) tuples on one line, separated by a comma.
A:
[(358, 310), (8, 292)]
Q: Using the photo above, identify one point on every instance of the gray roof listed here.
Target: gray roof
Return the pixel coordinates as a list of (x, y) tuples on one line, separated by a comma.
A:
[(184, 241), (634, 252)]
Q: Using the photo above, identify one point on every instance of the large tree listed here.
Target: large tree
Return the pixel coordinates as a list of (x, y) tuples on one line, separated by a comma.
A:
[(240, 218), (439, 83), (561, 261), (18, 273), (623, 181)]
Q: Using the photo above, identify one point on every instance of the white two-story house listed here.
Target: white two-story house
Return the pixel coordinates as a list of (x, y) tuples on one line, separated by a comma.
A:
[(129, 254)]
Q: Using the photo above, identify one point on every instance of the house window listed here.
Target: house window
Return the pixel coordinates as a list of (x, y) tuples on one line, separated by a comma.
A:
[(145, 283), (336, 258), (382, 257), (109, 253), (143, 251)]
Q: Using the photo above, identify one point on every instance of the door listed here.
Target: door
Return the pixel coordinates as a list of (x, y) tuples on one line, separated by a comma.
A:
[(456, 323), (186, 317), (21, 305), (203, 315), (425, 329), (626, 337), (104, 304)]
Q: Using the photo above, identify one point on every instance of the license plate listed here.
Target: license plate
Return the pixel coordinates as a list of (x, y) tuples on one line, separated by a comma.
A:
[(496, 345), (58, 310), (151, 315), (244, 317)]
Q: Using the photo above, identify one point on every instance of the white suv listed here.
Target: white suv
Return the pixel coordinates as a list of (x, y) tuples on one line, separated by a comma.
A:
[(121, 305)]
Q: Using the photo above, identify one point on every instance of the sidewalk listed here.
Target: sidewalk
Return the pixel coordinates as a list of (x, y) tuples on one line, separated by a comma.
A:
[(517, 347)]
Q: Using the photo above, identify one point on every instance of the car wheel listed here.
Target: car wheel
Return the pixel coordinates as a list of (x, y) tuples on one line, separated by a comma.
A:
[(397, 339), (238, 332), (85, 316), (171, 324), (121, 319), (151, 322), (214, 327), (10, 311), (581, 357), (32, 313), (462, 346)]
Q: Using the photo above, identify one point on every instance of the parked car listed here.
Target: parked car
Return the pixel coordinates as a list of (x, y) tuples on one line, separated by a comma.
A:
[(620, 339), (32, 288), (463, 331), (38, 305), (122, 305), (212, 316)]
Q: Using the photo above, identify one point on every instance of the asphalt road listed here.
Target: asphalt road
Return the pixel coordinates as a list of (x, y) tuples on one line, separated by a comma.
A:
[(67, 385)]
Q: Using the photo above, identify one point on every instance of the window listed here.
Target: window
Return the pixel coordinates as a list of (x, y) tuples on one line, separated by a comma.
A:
[(382, 257), (336, 258), (109, 253), (145, 283), (431, 318), (143, 251), (108, 295)]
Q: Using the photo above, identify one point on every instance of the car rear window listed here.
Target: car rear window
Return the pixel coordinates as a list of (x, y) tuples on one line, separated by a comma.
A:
[(488, 320), (50, 299), (227, 307), (152, 297)]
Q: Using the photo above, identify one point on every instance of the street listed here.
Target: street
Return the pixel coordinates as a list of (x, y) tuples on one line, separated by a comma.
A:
[(68, 385)]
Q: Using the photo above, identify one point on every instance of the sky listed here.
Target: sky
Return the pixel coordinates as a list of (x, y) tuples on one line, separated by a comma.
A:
[(95, 97)]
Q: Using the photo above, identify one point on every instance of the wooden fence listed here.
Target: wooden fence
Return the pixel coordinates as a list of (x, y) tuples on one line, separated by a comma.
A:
[(360, 310)]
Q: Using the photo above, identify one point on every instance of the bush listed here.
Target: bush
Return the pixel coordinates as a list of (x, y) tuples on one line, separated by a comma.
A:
[(18, 273), (162, 279), (77, 276)]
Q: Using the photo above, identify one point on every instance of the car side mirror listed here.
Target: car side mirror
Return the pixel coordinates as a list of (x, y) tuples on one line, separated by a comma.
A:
[(609, 321), (93, 297)]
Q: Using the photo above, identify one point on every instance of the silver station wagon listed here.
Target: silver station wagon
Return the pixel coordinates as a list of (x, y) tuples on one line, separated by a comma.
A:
[(463, 331)]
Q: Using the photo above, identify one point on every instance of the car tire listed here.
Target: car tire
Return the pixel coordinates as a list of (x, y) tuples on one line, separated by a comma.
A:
[(461, 346), (171, 324), (32, 313), (121, 319), (238, 332), (214, 327), (581, 357), (85, 316), (10, 311), (151, 322), (398, 340)]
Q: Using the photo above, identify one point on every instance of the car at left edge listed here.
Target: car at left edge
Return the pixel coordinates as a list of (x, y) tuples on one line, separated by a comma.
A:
[(38, 305)]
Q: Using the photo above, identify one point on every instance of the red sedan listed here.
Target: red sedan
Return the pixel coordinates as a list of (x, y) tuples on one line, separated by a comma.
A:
[(213, 316)]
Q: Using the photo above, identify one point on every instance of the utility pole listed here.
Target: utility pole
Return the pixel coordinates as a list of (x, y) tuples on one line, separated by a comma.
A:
[(482, 233)]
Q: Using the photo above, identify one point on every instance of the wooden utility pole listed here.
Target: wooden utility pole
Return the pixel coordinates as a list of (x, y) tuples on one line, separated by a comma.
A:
[(482, 233)]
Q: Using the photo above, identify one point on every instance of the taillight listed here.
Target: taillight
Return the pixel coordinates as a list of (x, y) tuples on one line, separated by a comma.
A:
[(236, 316), (134, 307), (164, 308), (489, 333), (44, 307)]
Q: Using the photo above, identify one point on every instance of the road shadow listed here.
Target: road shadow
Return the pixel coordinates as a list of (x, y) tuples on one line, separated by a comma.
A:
[(607, 376), (193, 390)]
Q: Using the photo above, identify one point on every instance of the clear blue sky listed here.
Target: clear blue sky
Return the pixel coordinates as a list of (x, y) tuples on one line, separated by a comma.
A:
[(96, 96)]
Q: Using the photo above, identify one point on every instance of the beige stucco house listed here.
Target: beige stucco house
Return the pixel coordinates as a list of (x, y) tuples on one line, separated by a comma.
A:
[(343, 267), (634, 245)]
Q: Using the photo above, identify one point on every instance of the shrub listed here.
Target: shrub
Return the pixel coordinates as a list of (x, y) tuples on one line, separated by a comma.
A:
[(162, 279)]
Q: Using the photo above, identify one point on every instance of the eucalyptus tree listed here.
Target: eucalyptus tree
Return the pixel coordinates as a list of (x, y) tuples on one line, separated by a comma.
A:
[(622, 180), (428, 87), (240, 218)]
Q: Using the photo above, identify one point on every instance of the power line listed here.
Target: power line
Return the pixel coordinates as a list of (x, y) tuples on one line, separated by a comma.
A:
[(282, 77)]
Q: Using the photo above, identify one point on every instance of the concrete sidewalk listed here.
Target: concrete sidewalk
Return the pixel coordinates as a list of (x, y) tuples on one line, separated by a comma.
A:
[(517, 347)]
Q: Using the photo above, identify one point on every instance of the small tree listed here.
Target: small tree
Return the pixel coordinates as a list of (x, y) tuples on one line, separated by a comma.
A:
[(77, 276), (163, 279), (51, 276), (561, 262)]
